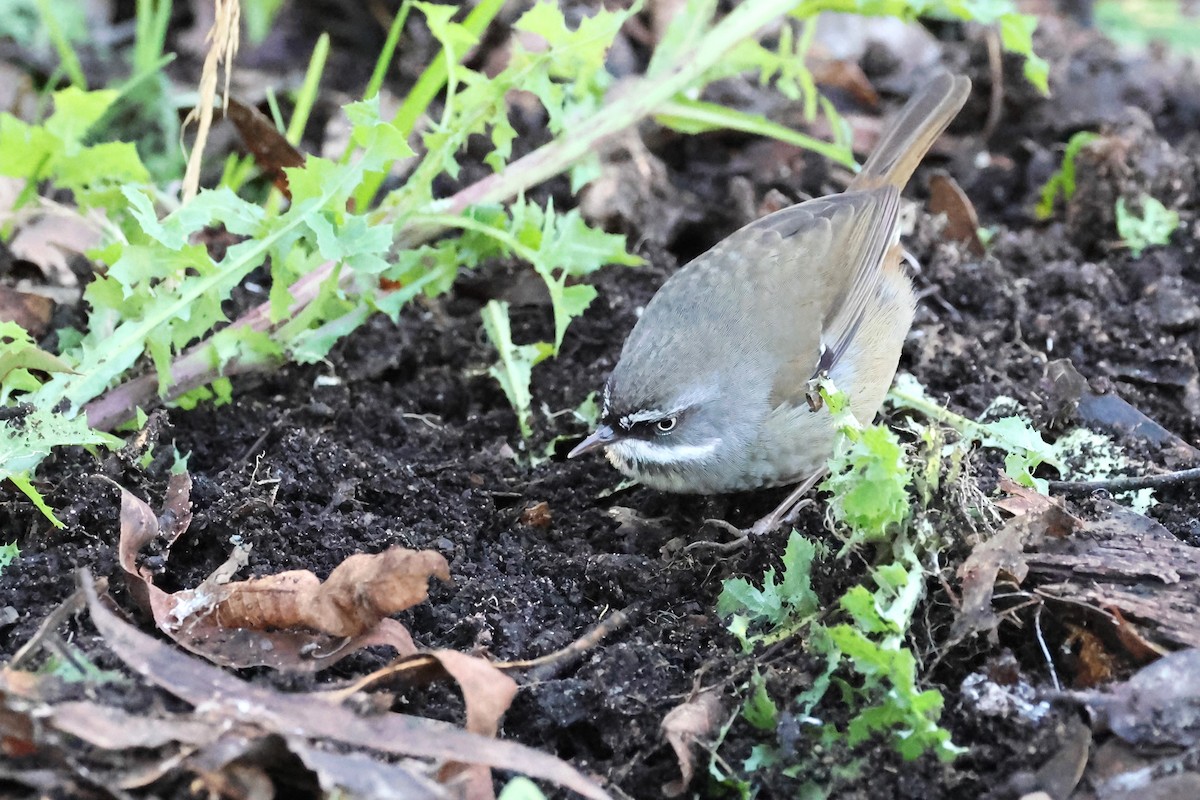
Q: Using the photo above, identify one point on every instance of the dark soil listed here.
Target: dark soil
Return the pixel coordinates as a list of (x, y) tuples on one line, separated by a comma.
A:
[(402, 439)]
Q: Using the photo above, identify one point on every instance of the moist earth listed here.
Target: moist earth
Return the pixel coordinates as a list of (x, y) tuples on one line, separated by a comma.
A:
[(401, 438)]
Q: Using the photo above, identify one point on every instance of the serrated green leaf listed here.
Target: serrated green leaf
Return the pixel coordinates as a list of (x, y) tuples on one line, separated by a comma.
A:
[(514, 370), (76, 111), (28, 437), (8, 553), (381, 140), (17, 351), (452, 35), (869, 481), (1154, 227), (759, 709)]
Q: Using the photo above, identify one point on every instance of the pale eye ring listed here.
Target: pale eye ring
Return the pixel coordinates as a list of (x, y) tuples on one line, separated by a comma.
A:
[(666, 425)]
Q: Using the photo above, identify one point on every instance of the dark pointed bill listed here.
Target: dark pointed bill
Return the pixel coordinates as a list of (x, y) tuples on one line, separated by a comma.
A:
[(602, 436)]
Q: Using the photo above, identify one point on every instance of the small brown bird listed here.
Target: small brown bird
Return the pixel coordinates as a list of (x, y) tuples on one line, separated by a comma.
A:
[(711, 393)]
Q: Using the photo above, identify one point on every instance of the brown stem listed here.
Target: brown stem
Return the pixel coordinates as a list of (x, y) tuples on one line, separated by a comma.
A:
[(1127, 483)]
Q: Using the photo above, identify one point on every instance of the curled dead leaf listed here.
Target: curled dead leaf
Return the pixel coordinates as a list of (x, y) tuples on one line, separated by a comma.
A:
[(1004, 555), (238, 702), (962, 223), (269, 147), (360, 592), (696, 719), (292, 620)]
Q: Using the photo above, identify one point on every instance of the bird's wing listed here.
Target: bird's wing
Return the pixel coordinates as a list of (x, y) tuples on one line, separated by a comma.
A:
[(832, 252)]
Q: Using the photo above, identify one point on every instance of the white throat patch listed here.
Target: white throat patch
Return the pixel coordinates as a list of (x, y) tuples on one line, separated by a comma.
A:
[(630, 452)]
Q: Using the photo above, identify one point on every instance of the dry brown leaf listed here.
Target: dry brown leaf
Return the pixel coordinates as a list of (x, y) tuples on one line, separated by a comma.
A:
[(1018, 499), (1002, 554), (847, 75), (270, 148), (111, 728), (49, 236), (360, 592), (242, 624), (537, 516), (355, 775), (1142, 649), (696, 719), (30, 311), (962, 223), (221, 693), (16, 731)]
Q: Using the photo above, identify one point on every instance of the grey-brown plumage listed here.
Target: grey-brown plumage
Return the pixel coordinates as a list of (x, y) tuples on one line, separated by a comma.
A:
[(710, 393)]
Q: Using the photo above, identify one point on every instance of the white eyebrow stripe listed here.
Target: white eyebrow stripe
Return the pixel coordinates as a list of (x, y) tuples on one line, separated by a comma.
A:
[(649, 414), (643, 452)]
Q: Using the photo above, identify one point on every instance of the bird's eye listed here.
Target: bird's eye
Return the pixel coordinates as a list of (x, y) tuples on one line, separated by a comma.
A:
[(666, 424)]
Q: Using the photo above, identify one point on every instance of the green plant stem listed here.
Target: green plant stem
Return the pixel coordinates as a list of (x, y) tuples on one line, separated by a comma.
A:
[(922, 404), (307, 96), (151, 34), (713, 116), (635, 103), (68, 58), (446, 221), (434, 77), (388, 50), (426, 88)]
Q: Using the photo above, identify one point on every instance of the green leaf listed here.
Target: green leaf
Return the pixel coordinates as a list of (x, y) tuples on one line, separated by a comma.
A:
[(1062, 182), (1016, 34), (1026, 449), (869, 480), (381, 139), (695, 116), (759, 709), (8, 553), (780, 606), (1154, 227), (521, 788), (18, 352), (514, 370), (76, 111), (28, 436)]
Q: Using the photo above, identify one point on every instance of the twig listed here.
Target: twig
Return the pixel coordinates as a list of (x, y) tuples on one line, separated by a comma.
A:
[(1037, 627), (1127, 483), (65, 610), (607, 626), (996, 68)]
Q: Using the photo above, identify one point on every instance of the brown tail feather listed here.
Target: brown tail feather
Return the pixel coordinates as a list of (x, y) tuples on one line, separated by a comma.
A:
[(910, 135)]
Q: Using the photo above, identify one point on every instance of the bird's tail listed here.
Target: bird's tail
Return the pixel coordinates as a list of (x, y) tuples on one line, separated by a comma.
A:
[(910, 135)]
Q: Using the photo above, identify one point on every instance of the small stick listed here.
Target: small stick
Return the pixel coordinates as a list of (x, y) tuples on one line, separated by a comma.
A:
[(607, 626), (65, 610), (1126, 483), (604, 628)]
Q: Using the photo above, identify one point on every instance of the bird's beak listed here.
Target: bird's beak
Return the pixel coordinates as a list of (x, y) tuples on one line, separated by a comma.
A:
[(602, 436)]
